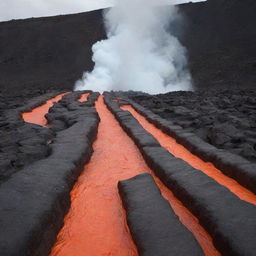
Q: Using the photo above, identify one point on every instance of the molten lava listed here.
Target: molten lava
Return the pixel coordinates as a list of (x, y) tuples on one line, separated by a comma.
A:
[(36, 116), (181, 152), (83, 97), (96, 223)]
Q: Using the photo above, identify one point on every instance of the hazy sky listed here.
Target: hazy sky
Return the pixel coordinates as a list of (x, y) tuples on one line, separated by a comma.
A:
[(20, 9)]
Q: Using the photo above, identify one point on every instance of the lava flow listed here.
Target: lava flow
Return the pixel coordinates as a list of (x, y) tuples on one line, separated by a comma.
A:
[(181, 152), (36, 116), (83, 97), (96, 223)]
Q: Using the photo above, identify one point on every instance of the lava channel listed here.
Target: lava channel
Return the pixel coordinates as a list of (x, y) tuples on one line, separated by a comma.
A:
[(84, 97), (37, 115), (96, 222), (181, 152)]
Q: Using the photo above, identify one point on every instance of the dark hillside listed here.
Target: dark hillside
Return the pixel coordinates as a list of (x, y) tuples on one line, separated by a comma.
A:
[(47, 52), (220, 37), (53, 52)]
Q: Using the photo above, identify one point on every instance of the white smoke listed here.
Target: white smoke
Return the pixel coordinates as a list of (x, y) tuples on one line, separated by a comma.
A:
[(140, 53)]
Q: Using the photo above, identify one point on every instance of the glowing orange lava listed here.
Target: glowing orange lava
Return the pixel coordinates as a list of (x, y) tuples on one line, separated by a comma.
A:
[(96, 223), (188, 220), (36, 116), (181, 152), (84, 97)]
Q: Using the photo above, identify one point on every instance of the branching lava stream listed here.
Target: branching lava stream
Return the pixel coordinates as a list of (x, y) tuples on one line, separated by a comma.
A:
[(36, 116), (96, 223)]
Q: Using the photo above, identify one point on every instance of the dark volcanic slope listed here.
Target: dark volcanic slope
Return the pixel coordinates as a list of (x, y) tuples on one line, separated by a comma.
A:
[(47, 52), (220, 37)]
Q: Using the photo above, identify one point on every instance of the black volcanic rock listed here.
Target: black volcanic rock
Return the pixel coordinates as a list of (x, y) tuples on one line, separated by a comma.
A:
[(21, 143), (155, 228)]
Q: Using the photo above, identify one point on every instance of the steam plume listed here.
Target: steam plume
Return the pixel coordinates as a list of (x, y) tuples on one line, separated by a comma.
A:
[(140, 53)]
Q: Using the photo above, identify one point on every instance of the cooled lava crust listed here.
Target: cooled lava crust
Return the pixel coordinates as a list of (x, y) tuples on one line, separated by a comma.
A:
[(40, 164)]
